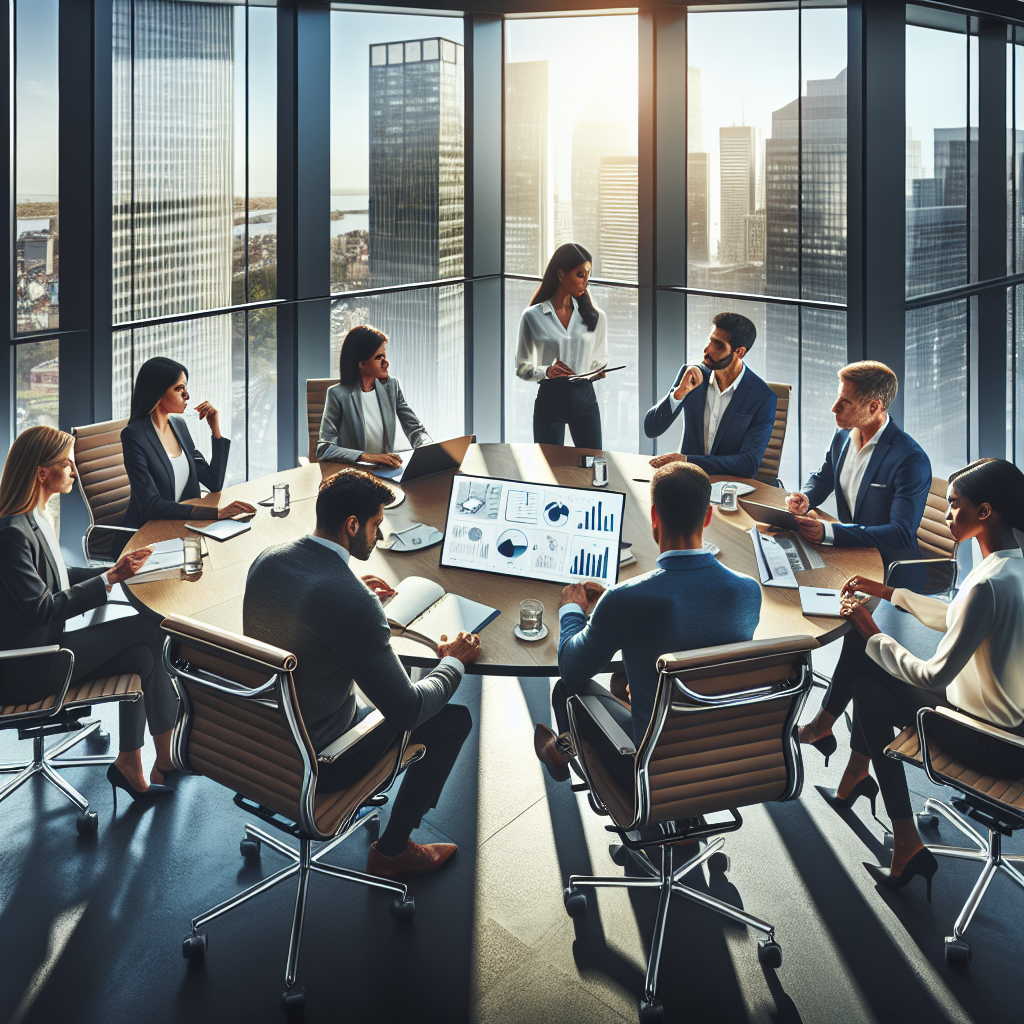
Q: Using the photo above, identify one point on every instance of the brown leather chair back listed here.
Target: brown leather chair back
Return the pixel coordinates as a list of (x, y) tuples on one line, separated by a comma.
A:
[(102, 479), (768, 471), (933, 536), (720, 738), (316, 397)]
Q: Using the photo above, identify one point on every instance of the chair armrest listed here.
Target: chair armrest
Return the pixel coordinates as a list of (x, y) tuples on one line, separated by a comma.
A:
[(31, 674), (349, 739), (613, 732), (923, 575), (966, 722), (112, 539), (27, 652)]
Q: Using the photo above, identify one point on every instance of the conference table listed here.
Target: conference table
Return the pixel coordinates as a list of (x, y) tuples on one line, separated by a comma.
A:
[(215, 595)]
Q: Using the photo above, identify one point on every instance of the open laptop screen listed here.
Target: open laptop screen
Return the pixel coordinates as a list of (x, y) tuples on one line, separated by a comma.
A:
[(534, 531)]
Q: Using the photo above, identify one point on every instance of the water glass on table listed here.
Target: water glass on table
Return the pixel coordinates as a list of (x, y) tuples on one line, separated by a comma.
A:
[(193, 558), (600, 472), (281, 498), (531, 618)]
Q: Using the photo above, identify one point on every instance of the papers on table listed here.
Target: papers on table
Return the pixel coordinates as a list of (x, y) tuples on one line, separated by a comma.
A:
[(716, 490), (822, 601), (772, 561)]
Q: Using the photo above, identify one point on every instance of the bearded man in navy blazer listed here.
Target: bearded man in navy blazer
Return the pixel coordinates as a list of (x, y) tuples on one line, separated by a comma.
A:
[(728, 411), (880, 476)]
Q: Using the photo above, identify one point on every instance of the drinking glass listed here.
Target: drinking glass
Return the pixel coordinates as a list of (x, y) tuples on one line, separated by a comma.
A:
[(281, 497), (531, 617), (730, 501), (600, 472), (193, 561)]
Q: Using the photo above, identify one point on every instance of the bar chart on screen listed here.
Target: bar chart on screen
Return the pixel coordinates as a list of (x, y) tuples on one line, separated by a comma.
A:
[(597, 518), (590, 558)]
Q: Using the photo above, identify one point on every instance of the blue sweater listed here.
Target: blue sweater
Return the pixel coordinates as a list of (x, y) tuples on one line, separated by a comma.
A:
[(689, 601)]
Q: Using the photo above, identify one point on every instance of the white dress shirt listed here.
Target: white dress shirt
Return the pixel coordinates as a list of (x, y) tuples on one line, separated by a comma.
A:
[(980, 659), (543, 339), (180, 468), (716, 402), (373, 424), (49, 534), (343, 553), (852, 473)]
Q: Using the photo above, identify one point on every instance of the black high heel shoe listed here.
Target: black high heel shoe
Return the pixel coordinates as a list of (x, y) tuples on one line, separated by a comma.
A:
[(118, 781), (922, 863), (866, 787), (826, 746)]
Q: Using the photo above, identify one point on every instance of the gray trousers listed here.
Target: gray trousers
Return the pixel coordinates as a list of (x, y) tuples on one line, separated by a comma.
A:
[(129, 645)]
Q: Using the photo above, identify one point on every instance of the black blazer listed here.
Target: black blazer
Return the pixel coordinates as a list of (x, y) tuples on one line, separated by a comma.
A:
[(32, 605), (152, 477)]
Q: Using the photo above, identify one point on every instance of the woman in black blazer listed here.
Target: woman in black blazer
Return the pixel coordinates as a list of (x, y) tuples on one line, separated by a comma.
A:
[(154, 441), (39, 592)]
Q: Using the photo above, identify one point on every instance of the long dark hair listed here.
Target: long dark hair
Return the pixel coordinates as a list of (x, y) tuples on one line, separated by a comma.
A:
[(567, 257), (359, 345), (155, 376), (997, 482)]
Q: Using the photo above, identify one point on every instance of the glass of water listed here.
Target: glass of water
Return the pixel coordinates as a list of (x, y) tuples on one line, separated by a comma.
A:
[(531, 617), (600, 472), (730, 497), (193, 561), (281, 497)]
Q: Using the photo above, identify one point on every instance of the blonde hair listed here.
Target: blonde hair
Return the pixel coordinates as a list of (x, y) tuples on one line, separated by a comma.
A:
[(872, 380), (37, 448)]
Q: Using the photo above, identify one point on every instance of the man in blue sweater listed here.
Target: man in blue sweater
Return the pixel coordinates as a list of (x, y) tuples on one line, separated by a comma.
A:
[(690, 600)]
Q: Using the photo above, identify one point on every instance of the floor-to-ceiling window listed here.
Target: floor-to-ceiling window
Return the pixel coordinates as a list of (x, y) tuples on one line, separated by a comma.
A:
[(397, 201)]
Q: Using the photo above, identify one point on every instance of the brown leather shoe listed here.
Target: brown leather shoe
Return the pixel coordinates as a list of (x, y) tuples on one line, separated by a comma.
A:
[(554, 751), (415, 860)]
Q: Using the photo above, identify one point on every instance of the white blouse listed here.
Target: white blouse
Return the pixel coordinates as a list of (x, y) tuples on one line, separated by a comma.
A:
[(980, 659), (543, 339), (180, 467), (373, 425)]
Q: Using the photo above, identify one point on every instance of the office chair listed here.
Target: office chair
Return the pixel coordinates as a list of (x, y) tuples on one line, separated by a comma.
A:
[(36, 681), (721, 737), (103, 484), (239, 724), (997, 804), (768, 471), (316, 398)]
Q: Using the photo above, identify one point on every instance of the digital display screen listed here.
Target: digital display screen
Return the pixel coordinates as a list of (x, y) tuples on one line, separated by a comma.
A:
[(535, 531)]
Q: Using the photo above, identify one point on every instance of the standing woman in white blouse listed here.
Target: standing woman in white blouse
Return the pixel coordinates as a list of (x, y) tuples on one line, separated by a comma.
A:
[(562, 333), (978, 667)]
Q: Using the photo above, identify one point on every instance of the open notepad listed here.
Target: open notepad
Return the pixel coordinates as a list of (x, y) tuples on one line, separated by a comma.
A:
[(422, 610)]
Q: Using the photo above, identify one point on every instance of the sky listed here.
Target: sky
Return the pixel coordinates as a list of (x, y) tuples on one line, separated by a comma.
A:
[(36, 91)]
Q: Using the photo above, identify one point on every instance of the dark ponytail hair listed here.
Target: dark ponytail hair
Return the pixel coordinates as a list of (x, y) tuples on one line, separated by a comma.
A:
[(359, 345), (155, 376), (997, 482), (567, 257)]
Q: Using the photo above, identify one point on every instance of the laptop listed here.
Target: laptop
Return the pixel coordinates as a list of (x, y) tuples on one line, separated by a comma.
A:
[(428, 459)]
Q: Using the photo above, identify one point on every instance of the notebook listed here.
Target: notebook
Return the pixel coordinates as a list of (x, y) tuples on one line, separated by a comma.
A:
[(421, 610)]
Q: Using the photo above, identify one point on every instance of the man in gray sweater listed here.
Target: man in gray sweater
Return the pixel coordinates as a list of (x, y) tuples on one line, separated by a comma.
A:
[(304, 597)]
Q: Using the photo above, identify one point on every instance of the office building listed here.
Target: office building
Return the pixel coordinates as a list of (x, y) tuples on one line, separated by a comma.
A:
[(737, 171), (592, 141), (618, 205)]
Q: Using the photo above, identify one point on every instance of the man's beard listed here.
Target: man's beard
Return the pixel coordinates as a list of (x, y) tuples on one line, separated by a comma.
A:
[(722, 364), (361, 548)]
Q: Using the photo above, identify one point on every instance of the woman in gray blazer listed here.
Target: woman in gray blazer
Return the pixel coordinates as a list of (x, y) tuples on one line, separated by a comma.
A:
[(360, 413)]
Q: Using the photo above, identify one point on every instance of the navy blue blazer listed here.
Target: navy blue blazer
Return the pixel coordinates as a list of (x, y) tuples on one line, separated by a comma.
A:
[(742, 435), (891, 498), (152, 477)]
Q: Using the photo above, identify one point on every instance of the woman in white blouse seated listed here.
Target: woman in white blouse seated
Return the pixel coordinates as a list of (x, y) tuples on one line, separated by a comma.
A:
[(562, 333), (978, 667), (361, 413)]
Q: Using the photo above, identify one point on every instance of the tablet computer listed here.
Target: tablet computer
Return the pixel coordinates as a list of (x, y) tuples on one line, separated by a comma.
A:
[(770, 514), (221, 529), (534, 531)]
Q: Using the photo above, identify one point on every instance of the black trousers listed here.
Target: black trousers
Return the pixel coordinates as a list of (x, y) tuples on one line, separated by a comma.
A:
[(853, 662), (129, 645), (443, 736), (882, 703), (560, 403)]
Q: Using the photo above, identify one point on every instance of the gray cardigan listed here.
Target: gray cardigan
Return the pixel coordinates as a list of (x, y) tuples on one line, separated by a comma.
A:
[(303, 598), (342, 436)]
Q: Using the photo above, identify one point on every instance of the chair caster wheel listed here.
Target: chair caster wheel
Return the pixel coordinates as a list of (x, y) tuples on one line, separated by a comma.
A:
[(618, 853), (719, 863), (575, 902), (958, 952), (293, 1002), (926, 819), (193, 948), (98, 740), (403, 909), (652, 1012), (249, 848), (87, 823), (769, 952)]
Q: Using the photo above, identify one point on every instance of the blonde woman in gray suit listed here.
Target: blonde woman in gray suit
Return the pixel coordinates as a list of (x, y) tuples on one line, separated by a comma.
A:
[(361, 413)]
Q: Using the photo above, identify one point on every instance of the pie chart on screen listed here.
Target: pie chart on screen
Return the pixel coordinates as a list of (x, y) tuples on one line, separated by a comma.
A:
[(556, 513), (512, 543)]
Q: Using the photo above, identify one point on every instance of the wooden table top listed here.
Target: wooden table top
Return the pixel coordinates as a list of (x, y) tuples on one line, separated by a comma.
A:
[(215, 595)]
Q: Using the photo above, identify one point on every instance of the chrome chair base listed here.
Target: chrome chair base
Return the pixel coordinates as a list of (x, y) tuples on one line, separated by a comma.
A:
[(990, 854), (302, 862), (45, 762), (667, 880)]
